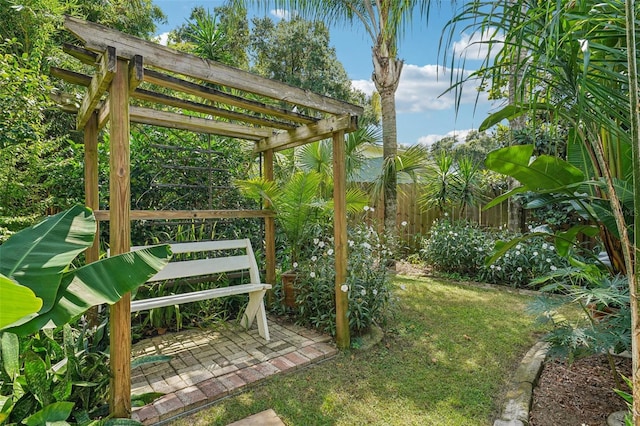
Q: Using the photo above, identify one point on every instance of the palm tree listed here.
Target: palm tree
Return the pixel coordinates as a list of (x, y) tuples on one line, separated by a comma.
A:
[(580, 69), (384, 22)]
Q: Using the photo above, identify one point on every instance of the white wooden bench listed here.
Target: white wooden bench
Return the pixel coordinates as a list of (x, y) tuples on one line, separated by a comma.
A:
[(213, 265)]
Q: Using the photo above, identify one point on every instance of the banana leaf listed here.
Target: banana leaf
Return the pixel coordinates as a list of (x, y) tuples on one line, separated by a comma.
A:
[(17, 301), (40, 257)]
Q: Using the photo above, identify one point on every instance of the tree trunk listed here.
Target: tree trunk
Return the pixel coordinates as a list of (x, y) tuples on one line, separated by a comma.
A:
[(633, 273), (514, 207), (386, 75)]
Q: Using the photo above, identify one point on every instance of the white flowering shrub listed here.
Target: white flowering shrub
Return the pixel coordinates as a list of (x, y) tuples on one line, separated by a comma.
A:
[(461, 248), (367, 283), (523, 263), (456, 248)]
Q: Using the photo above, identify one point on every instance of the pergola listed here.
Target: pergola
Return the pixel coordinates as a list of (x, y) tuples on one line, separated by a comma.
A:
[(205, 97)]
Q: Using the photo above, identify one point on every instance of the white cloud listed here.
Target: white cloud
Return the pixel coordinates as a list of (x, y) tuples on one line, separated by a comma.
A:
[(421, 89), (366, 86), (162, 38), (280, 13), (475, 46), (460, 136)]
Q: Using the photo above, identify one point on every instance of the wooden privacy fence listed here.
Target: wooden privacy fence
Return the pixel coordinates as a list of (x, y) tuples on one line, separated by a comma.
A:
[(412, 220)]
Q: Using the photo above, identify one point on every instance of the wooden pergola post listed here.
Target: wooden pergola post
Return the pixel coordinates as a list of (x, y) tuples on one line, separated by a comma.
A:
[(91, 194), (269, 225), (120, 239), (343, 339)]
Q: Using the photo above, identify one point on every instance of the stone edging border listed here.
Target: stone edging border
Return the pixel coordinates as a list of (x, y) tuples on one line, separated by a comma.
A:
[(515, 411)]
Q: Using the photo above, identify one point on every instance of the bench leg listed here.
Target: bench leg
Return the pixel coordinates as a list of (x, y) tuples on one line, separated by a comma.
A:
[(255, 310)]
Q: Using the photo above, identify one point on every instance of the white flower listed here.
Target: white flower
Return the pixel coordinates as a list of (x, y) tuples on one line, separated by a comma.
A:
[(551, 248), (312, 274), (518, 247), (363, 292), (498, 268), (366, 245), (519, 269), (548, 260), (544, 246), (506, 255), (517, 252), (351, 243), (344, 288), (493, 266), (446, 214), (375, 292), (330, 252), (295, 265), (455, 234), (584, 45), (314, 258), (372, 209), (321, 244), (366, 208), (535, 253), (316, 241), (404, 223), (553, 267)]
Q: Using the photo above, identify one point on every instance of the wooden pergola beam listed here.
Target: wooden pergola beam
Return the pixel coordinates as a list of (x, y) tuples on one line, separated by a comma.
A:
[(214, 95), (99, 84), (301, 135), (73, 77), (103, 215), (136, 73), (196, 124), (97, 37), (149, 96)]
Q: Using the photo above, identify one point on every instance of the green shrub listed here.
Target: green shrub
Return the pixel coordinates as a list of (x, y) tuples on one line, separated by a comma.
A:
[(457, 248), (367, 282), (523, 263), (461, 249)]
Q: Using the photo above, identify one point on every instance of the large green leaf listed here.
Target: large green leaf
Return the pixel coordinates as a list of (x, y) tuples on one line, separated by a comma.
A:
[(10, 347), (36, 257), (510, 112), (544, 173), (105, 281), (17, 301), (53, 414)]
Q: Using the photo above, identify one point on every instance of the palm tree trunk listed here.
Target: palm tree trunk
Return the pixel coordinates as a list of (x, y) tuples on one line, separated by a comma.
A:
[(389, 152), (386, 76)]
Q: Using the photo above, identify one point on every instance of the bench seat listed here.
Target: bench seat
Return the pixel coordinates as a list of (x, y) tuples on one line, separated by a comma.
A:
[(256, 290)]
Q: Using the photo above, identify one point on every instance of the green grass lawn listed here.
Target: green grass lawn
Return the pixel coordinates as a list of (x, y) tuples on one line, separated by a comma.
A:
[(445, 358)]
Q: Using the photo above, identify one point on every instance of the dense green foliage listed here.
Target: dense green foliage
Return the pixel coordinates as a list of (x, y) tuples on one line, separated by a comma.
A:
[(367, 283)]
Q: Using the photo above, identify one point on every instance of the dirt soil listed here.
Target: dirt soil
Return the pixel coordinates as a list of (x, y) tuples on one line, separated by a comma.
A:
[(579, 394)]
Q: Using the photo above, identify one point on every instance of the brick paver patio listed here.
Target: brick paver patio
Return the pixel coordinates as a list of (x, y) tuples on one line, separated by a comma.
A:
[(207, 365)]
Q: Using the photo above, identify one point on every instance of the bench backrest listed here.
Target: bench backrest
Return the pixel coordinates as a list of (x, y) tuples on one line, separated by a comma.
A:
[(209, 265)]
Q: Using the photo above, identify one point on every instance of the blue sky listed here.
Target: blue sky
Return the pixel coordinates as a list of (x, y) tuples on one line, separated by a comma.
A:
[(423, 116)]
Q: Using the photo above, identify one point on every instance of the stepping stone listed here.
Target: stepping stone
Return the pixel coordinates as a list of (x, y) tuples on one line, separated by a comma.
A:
[(264, 418)]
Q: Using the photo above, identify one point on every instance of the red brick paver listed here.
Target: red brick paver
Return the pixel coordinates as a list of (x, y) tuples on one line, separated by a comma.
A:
[(207, 365)]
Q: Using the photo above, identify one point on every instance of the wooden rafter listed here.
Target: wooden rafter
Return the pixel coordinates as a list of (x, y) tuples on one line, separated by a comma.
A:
[(97, 87), (73, 77), (103, 215), (323, 129), (88, 57), (98, 37), (197, 124), (211, 94)]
